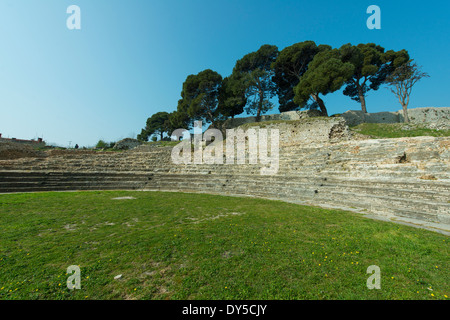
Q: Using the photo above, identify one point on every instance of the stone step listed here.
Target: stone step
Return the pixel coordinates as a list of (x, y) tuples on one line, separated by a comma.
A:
[(406, 199), (387, 170), (442, 189)]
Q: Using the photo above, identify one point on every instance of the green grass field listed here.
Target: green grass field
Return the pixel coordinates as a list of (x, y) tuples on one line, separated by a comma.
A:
[(397, 130), (197, 246)]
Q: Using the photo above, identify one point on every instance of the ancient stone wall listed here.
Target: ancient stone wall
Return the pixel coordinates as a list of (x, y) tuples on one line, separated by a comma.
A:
[(438, 118), (306, 130), (433, 117)]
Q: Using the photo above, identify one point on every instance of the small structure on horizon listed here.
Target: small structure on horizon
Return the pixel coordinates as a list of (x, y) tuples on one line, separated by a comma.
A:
[(38, 142)]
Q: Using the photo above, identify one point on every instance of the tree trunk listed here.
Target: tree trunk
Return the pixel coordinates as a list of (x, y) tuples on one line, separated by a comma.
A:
[(361, 96), (258, 114), (321, 104), (405, 113), (363, 102), (260, 104)]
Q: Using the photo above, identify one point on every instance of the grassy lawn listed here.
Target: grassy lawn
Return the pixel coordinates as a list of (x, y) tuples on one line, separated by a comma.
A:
[(196, 246), (397, 130)]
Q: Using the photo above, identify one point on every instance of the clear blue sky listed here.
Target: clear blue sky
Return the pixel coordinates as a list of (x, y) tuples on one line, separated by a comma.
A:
[(130, 57)]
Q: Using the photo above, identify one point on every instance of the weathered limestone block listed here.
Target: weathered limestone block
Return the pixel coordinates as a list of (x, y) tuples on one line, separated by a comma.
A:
[(434, 118), (307, 130), (355, 117)]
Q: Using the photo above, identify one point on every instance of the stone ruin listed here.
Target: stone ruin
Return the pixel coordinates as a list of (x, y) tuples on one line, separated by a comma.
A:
[(433, 118), (126, 144), (321, 163)]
